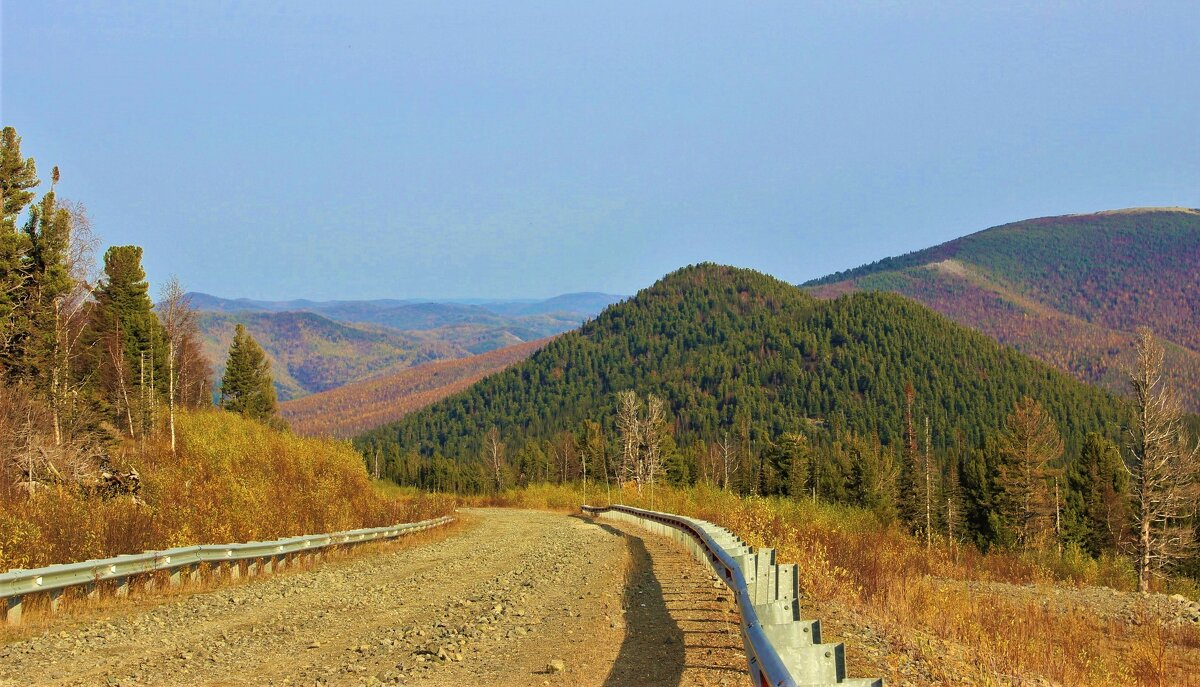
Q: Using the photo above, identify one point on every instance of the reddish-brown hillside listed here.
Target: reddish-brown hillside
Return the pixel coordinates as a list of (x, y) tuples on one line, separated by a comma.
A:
[(359, 406), (1067, 290)]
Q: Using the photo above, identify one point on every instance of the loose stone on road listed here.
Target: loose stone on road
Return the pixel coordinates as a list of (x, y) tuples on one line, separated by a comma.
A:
[(515, 598)]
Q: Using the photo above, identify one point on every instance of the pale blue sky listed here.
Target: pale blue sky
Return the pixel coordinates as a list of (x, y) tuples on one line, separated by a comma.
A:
[(463, 149)]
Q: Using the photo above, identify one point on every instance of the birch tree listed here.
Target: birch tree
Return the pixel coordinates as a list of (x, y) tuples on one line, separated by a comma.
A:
[(493, 452)]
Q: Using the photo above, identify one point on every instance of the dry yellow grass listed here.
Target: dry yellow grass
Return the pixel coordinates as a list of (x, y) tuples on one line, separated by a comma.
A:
[(942, 608), (232, 480)]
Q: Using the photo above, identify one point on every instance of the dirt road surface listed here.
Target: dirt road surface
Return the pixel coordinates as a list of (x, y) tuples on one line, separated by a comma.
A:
[(513, 598)]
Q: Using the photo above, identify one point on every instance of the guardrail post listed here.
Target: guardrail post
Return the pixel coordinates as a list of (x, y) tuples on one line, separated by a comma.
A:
[(235, 570), (176, 577), (55, 600), (91, 591), (13, 614), (269, 564), (121, 586), (150, 583), (252, 567), (195, 574)]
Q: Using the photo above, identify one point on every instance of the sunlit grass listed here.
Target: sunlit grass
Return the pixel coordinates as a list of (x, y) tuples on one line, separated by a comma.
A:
[(231, 480)]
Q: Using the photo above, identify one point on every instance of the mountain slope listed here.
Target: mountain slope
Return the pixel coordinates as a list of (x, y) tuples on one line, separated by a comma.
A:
[(726, 346), (320, 345), (312, 353), (359, 406), (1067, 290)]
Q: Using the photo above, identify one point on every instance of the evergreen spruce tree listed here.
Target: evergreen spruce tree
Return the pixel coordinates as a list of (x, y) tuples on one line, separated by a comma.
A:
[(17, 176), (46, 281), (128, 340), (246, 387), (1097, 503)]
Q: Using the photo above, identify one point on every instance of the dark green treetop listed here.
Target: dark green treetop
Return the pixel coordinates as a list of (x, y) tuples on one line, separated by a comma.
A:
[(246, 387)]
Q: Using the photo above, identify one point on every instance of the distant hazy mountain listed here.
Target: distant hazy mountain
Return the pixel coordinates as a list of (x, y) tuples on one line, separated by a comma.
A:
[(588, 302), (311, 353), (1068, 290), (424, 313), (319, 345)]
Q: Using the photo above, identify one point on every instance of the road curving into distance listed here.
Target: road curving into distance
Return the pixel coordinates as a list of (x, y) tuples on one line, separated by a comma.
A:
[(512, 598)]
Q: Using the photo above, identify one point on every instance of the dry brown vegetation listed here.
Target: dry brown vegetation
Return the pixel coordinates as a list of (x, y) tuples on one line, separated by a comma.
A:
[(232, 479), (961, 616), (357, 407)]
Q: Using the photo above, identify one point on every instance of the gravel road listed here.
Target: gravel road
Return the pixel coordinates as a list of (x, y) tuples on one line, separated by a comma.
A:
[(513, 598)]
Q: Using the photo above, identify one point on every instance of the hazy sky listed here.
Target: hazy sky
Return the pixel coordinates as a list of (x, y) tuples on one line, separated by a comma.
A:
[(454, 149)]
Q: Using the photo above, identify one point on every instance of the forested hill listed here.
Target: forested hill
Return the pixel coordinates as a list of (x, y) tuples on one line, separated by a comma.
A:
[(730, 349), (1067, 290)]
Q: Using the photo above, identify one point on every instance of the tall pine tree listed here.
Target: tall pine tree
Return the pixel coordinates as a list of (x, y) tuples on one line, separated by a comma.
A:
[(18, 176), (46, 282), (128, 340), (246, 387), (1029, 443)]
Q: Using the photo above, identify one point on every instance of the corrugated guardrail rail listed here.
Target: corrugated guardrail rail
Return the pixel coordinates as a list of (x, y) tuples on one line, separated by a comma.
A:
[(264, 556), (783, 650)]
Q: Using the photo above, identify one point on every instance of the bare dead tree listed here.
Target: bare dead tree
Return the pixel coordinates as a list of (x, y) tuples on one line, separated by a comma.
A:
[(654, 428), (629, 424), (1164, 467), (493, 450), (729, 461)]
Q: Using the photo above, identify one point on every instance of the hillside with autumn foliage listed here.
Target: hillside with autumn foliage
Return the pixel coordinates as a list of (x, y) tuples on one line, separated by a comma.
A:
[(1069, 290), (359, 406)]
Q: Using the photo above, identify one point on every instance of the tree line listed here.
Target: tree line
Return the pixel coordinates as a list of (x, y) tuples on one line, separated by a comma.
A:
[(87, 359)]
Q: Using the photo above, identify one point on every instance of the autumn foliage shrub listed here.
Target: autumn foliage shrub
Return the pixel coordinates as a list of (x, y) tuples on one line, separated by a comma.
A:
[(231, 480)]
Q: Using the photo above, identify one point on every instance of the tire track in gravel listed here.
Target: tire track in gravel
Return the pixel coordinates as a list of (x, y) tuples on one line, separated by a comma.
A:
[(516, 598)]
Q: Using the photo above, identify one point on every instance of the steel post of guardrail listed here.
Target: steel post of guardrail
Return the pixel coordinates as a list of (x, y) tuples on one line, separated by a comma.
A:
[(191, 561), (12, 613), (782, 649)]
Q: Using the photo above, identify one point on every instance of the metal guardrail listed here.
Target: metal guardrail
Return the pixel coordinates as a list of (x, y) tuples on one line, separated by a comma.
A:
[(783, 650), (270, 555)]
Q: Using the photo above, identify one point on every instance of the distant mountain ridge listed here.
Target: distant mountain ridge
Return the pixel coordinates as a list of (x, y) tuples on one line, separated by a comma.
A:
[(1069, 290), (316, 346), (584, 302)]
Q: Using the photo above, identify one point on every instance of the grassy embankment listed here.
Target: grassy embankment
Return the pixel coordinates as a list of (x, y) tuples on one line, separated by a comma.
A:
[(232, 480), (931, 605)]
